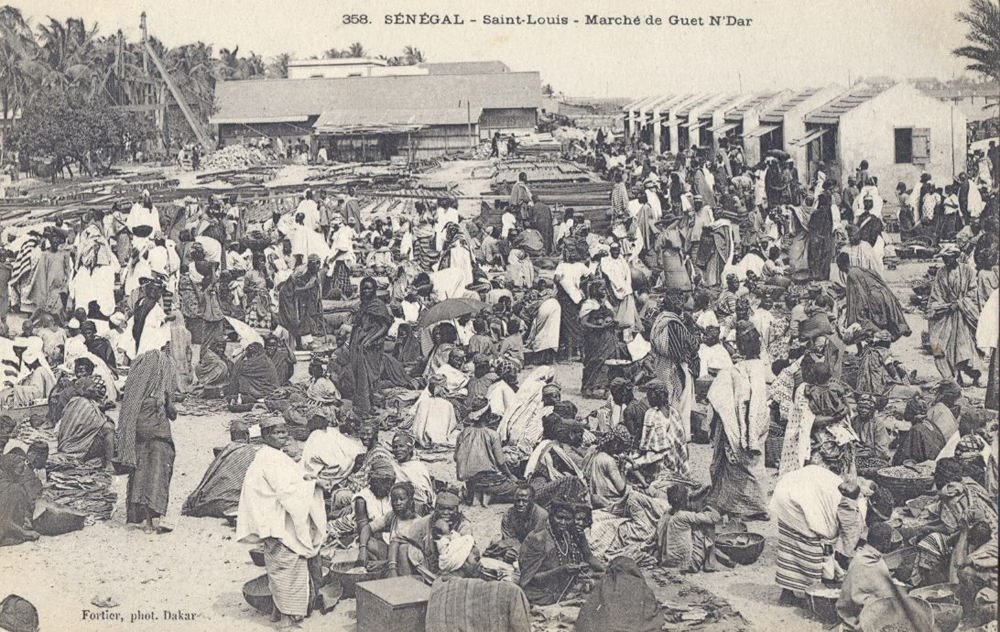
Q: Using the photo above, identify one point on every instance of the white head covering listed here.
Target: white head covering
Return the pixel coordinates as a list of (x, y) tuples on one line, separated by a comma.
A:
[(454, 549)]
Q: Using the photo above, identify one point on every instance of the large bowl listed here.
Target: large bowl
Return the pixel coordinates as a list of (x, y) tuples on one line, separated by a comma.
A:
[(743, 547), (349, 574), (258, 594), (887, 615), (823, 603)]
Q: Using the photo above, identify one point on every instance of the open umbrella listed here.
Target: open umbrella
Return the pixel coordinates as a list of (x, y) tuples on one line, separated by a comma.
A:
[(450, 309)]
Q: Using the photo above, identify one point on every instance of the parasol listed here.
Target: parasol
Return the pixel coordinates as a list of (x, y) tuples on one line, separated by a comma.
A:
[(450, 309)]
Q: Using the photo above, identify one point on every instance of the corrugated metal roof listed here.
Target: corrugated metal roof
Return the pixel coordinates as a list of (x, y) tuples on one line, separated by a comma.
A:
[(776, 114), (465, 67), (831, 111), (390, 120), (254, 100), (736, 114)]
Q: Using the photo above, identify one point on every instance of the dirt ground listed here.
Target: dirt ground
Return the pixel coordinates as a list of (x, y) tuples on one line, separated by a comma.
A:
[(191, 579)]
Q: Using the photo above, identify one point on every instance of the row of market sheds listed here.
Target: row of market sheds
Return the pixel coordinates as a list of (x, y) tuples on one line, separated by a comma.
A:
[(900, 131), (364, 118)]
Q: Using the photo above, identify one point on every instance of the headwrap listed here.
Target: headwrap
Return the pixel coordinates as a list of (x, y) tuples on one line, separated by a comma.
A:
[(405, 436), (731, 277), (916, 408), (382, 469), (947, 388), (949, 470), (619, 433), (551, 389), (448, 499), (271, 422), (743, 303), (570, 492), (313, 259), (619, 383), (505, 367), (453, 550), (969, 447), (478, 407), (238, 426)]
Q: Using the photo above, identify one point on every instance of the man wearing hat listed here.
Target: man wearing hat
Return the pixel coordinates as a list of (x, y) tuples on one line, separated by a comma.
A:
[(282, 506), (953, 311)]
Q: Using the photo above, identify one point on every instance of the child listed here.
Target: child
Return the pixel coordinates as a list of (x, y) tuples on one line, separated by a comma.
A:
[(851, 524), (481, 342), (512, 347), (686, 538)]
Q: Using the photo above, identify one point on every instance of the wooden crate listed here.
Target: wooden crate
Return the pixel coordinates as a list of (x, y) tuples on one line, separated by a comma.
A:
[(396, 604)]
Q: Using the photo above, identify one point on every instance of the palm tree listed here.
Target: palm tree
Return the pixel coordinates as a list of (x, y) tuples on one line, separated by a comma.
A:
[(983, 49), (356, 50), (278, 67), (68, 51), (333, 53), (20, 69), (413, 56)]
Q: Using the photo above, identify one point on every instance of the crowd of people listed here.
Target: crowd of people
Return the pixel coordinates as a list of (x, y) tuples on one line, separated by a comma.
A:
[(715, 302)]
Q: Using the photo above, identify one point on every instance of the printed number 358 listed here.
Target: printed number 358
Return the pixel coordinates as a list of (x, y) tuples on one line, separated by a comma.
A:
[(353, 18)]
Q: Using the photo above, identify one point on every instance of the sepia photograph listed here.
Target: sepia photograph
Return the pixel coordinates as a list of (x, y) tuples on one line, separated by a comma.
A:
[(441, 316)]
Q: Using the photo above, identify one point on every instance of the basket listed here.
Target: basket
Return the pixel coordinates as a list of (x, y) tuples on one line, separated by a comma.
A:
[(257, 593), (885, 615), (257, 555), (27, 412), (57, 521), (947, 616), (743, 548), (772, 451), (823, 603), (240, 408), (341, 574), (904, 489), (869, 466), (944, 594)]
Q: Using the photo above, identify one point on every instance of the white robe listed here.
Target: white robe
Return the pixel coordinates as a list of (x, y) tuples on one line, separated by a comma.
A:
[(277, 502), (329, 455), (545, 329), (434, 421)]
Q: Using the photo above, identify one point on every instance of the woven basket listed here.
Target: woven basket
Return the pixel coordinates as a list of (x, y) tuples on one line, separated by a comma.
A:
[(823, 603), (772, 451), (885, 612), (904, 489), (871, 466)]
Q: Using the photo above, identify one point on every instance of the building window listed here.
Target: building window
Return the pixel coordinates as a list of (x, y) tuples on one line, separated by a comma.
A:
[(904, 145), (913, 145)]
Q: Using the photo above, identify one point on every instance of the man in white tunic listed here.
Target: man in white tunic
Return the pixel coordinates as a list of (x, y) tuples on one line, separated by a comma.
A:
[(282, 506)]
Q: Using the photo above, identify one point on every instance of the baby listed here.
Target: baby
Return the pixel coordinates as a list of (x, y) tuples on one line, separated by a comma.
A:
[(850, 521)]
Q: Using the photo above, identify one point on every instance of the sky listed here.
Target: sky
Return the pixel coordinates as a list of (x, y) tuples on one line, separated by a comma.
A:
[(789, 44)]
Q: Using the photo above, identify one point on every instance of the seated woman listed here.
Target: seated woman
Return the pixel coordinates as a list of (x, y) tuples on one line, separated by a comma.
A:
[(328, 454), (461, 601), (868, 575), (213, 365), (553, 460), (85, 432), (554, 560), (17, 500), (621, 600), (253, 376), (414, 549), (218, 493), (522, 519), (685, 536), (413, 471), (65, 390), (930, 434), (434, 420), (611, 494), (479, 459), (282, 358), (975, 568), (961, 502), (35, 387), (374, 537)]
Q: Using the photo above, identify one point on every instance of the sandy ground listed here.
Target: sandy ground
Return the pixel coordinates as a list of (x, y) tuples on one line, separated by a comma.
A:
[(191, 579)]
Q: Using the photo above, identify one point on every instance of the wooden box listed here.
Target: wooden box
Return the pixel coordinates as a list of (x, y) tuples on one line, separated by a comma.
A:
[(396, 604)]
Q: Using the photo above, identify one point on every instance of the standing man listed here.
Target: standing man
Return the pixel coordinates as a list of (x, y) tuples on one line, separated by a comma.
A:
[(370, 325), (351, 210), (954, 315), (495, 145), (281, 506), (704, 184), (520, 196), (541, 219), (619, 196)]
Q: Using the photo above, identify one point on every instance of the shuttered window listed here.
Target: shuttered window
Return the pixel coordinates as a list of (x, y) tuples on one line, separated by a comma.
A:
[(921, 145)]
